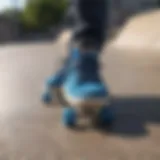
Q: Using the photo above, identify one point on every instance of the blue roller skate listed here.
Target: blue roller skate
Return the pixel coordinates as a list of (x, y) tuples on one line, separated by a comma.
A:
[(83, 87)]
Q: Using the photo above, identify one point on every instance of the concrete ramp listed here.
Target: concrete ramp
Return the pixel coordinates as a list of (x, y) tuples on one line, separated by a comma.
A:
[(133, 57), (140, 32)]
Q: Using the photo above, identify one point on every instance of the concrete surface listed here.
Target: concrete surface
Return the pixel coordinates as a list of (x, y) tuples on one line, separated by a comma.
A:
[(30, 131), (140, 32)]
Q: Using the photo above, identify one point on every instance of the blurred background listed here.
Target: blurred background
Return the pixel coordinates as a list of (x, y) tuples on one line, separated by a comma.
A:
[(36, 19), (22, 19)]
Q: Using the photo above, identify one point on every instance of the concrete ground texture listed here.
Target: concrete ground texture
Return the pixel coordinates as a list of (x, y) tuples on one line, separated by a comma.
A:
[(31, 131)]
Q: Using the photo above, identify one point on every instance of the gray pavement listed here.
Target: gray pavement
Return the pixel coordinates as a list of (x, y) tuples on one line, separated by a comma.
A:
[(30, 131)]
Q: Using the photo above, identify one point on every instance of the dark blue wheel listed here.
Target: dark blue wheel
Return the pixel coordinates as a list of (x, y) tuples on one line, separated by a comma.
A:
[(47, 98), (106, 116), (69, 117)]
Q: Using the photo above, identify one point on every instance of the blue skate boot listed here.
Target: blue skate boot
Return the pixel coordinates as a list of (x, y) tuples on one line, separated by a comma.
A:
[(83, 86)]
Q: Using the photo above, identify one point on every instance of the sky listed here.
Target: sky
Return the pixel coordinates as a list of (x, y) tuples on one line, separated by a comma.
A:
[(11, 3)]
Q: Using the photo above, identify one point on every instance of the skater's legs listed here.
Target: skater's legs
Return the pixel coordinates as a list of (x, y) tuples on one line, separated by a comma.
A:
[(83, 84), (89, 34), (91, 24)]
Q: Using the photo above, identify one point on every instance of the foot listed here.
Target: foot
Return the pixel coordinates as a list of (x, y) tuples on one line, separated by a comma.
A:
[(83, 84)]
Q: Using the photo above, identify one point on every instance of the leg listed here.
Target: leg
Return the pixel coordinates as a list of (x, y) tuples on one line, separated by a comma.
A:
[(89, 33), (83, 85), (90, 22)]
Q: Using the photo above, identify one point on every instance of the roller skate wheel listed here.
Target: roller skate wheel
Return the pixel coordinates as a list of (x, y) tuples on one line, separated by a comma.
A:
[(47, 98), (69, 117), (106, 116)]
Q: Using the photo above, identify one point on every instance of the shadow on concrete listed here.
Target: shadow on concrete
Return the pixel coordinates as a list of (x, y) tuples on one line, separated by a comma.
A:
[(133, 115)]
